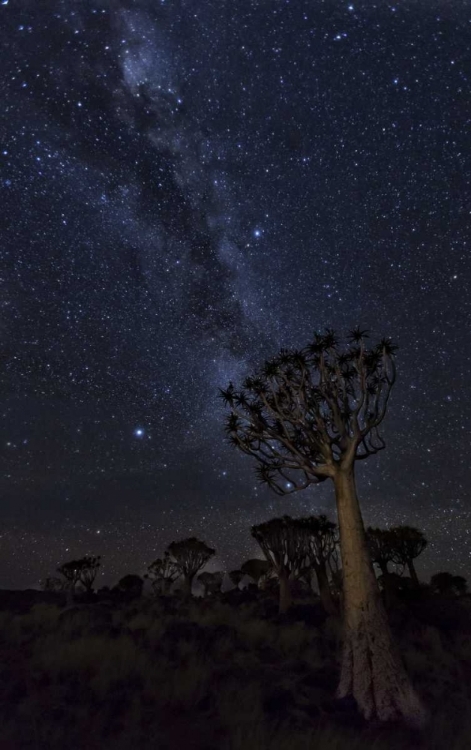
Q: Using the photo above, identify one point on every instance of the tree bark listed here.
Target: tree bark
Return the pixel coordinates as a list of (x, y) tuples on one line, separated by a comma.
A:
[(285, 593), (413, 573), (325, 592), (372, 670)]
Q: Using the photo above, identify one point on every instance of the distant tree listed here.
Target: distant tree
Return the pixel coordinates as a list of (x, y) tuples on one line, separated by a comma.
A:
[(88, 569), (380, 543), (71, 573), (131, 585), (282, 542), (52, 583), (163, 573), (83, 571), (460, 585), (235, 577), (448, 585), (256, 569), (321, 544), (407, 544), (190, 555), (309, 416), (211, 582)]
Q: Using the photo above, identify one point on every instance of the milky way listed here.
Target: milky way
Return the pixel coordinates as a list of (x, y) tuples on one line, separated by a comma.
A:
[(187, 186)]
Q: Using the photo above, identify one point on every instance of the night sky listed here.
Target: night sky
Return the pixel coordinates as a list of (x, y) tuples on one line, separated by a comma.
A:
[(186, 186)]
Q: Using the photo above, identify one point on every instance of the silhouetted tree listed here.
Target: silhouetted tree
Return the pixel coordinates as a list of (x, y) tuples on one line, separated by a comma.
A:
[(448, 585), (282, 541), (71, 572), (163, 573), (88, 569), (321, 543), (256, 569), (131, 585), (309, 416), (52, 583), (460, 585), (82, 571), (236, 577), (211, 582), (380, 543), (407, 544), (190, 555)]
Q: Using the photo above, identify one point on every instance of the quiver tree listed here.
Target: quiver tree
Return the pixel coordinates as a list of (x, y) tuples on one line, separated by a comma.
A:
[(235, 577), (190, 555), (309, 416), (211, 582), (448, 585), (408, 543), (381, 546), (71, 573), (82, 571), (282, 542), (163, 572), (88, 569), (256, 569), (130, 585), (52, 583), (321, 544)]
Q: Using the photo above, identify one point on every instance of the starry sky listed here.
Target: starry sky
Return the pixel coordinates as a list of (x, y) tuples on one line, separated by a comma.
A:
[(185, 188)]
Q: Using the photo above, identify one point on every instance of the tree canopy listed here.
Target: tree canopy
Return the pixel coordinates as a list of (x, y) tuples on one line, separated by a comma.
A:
[(308, 410)]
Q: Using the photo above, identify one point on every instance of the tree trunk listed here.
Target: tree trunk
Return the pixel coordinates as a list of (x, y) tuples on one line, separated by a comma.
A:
[(413, 573), (372, 670), (187, 585), (285, 593), (325, 592)]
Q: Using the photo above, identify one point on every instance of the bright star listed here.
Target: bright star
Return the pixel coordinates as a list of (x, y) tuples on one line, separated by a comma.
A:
[(139, 432), (258, 232)]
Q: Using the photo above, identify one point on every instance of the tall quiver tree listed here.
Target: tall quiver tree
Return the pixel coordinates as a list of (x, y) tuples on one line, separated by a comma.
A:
[(321, 540), (309, 416), (408, 543), (282, 542), (190, 555)]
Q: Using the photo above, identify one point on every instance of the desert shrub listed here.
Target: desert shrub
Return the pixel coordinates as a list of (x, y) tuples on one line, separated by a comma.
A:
[(186, 686), (42, 617), (294, 639), (101, 661), (256, 633)]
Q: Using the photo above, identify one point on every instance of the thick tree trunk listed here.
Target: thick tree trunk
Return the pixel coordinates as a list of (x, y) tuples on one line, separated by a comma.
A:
[(285, 593), (325, 592), (372, 670), (413, 573)]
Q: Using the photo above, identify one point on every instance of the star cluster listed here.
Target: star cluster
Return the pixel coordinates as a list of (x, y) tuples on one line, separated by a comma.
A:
[(187, 186)]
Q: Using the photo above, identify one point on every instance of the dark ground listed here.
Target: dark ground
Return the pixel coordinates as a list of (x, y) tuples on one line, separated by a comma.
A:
[(226, 673)]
